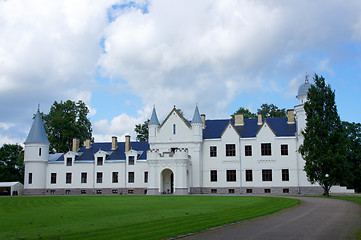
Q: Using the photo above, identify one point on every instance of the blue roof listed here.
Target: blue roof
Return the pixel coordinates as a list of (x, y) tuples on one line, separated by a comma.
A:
[(37, 132), (117, 154), (153, 119), (215, 128), (197, 117)]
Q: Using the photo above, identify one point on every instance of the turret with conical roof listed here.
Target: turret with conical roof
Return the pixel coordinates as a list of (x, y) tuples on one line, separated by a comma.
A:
[(197, 125), (36, 157), (153, 126)]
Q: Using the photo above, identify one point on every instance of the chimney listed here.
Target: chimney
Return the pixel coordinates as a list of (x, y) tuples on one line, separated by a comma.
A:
[(259, 118), (239, 119), (75, 144), (127, 143), (291, 116), (203, 117), (114, 143), (87, 143)]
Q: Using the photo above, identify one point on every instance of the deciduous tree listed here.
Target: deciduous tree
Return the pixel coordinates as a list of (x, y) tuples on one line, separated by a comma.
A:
[(65, 121), (11, 163), (324, 143)]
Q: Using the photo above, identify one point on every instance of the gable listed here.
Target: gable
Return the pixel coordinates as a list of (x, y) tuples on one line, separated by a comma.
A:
[(230, 133), (265, 131)]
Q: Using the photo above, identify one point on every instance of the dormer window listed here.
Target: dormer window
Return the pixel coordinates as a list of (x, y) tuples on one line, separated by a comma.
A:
[(99, 161), (69, 161), (131, 160)]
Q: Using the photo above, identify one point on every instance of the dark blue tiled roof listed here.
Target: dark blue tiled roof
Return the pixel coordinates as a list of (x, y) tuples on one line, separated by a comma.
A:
[(87, 154), (215, 128)]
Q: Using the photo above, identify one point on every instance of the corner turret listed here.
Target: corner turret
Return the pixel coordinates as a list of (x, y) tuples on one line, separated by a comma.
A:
[(197, 125), (36, 158), (153, 126)]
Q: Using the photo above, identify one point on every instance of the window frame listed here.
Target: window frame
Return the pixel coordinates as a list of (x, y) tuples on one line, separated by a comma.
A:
[(213, 151), (285, 175), (231, 175), (131, 160), (213, 175), (83, 177), (284, 149), (131, 177), (230, 150), (99, 177), (267, 175), (68, 178), (266, 149), (69, 161), (248, 150), (99, 161), (115, 177), (249, 175), (53, 178), (146, 176)]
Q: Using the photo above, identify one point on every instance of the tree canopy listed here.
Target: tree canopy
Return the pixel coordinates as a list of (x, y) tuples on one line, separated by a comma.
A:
[(142, 131), (353, 155), (11, 163), (267, 111), (65, 121), (324, 146)]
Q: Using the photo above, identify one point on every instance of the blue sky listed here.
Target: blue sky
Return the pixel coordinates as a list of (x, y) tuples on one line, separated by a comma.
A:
[(123, 57)]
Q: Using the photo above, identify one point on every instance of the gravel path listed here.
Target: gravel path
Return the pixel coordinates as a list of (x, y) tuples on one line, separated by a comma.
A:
[(315, 218)]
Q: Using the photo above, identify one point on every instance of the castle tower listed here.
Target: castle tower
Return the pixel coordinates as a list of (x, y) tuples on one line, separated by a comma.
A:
[(197, 126), (36, 158), (153, 126), (299, 109)]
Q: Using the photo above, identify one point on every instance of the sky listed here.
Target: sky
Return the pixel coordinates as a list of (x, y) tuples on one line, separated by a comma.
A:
[(124, 57)]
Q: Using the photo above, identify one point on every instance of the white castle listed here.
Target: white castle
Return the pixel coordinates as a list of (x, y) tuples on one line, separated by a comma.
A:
[(226, 156)]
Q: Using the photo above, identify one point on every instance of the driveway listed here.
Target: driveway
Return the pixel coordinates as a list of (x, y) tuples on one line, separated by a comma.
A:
[(315, 218)]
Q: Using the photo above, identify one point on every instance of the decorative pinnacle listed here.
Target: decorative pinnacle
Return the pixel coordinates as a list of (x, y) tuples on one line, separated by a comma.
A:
[(306, 80)]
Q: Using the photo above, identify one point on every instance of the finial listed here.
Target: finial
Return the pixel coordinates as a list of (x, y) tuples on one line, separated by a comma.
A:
[(306, 80), (38, 107)]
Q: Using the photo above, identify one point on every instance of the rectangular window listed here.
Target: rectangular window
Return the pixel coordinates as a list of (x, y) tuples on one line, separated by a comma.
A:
[(248, 150), (230, 150), (286, 190), (131, 160), (39, 151), (285, 175), (99, 191), (213, 175), (30, 178), (68, 178), (99, 177), (145, 177), (230, 190), (174, 129), (100, 161), (131, 191), (114, 191), (67, 192), (52, 192), (266, 149), (249, 177), (213, 190), (249, 190), (83, 191), (130, 177), (213, 151), (231, 175), (284, 149), (267, 190), (68, 161), (115, 177), (53, 178), (84, 177), (266, 174)]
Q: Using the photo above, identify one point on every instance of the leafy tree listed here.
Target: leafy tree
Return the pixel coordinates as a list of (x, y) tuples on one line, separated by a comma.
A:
[(246, 113), (142, 131), (324, 143), (353, 155), (11, 163), (272, 111), (65, 121)]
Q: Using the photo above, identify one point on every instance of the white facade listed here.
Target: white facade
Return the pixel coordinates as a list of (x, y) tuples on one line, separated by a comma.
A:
[(252, 156)]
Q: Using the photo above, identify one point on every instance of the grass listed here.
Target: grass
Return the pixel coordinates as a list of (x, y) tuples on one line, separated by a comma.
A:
[(356, 200), (126, 217)]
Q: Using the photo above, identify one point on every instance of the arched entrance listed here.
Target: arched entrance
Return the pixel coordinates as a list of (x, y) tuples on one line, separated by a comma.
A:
[(167, 181)]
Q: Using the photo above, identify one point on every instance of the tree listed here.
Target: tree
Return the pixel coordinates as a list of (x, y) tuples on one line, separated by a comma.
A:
[(324, 143), (353, 155), (65, 121), (272, 111), (246, 113), (142, 131), (11, 163)]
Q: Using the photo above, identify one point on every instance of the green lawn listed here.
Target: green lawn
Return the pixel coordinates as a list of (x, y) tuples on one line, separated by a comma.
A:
[(126, 217)]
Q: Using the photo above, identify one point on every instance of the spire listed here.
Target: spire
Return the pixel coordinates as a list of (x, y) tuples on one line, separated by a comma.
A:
[(197, 117), (154, 119), (37, 132)]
